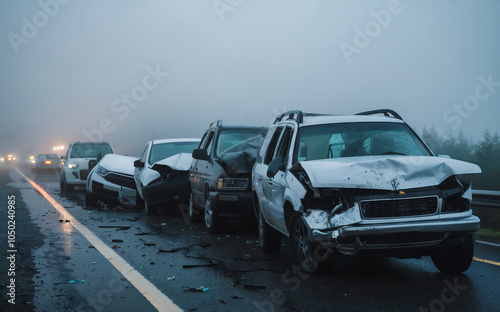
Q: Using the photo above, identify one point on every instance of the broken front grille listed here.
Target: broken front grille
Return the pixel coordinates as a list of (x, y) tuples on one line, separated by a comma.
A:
[(127, 181), (404, 207)]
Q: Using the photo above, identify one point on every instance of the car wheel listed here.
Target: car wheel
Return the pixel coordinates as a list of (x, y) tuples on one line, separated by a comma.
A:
[(195, 214), (68, 187), (213, 222), (457, 261), (62, 186), (139, 202), (151, 210), (310, 256), (269, 238), (90, 200)]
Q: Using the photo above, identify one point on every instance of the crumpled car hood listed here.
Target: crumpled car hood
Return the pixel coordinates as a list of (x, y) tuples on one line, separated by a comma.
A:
[(240, 158), (382, 172), (118, 163), (179, 162)]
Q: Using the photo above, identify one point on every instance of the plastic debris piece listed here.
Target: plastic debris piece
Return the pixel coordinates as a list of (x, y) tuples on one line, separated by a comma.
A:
[(93, 262), (76, 282), (163, 224), (117, 227), (117, 240), (199, 289), (250, 242), (202, 244), (237, 297), (190, 266), (171, 278)]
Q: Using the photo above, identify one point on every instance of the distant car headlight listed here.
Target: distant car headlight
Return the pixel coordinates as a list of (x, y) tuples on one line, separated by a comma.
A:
[(101, 171), (2, 159), (72, 166), (232, 184)]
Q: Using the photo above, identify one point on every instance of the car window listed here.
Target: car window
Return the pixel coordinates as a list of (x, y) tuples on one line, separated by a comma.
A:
[(272, 146), (84, 150), (357, 139), (210, 142), (144, 153), (230, 137), (284, 144), (52, 156), (165, 150)]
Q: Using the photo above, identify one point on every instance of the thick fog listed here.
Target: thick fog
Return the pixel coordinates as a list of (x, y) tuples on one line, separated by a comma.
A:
[(130, 71)]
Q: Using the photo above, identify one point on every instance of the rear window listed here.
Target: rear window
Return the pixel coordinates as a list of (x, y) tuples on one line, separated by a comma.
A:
[(165, 150), (90, 150), (357, 139)]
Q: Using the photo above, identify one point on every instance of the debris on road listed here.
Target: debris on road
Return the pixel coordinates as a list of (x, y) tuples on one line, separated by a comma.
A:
[(76, 282), (117, 240), (190, 266), (117, 227), (199, 289), (202, 244), (171, 278)]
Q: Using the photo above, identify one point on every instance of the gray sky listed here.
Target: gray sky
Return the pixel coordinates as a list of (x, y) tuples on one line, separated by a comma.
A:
[(141, 70)]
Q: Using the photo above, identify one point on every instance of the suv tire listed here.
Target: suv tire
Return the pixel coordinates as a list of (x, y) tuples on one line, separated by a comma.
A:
[(309, 256), (213, 222), (269, 238), (195, 214), (151, 210), (457, 261)]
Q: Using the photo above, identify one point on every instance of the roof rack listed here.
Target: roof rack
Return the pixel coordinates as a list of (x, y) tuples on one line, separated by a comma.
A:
[(386, 112), (293, 114), (216, 123)]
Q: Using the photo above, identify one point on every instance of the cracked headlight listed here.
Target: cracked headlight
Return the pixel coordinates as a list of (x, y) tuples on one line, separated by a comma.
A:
[(101, 171)]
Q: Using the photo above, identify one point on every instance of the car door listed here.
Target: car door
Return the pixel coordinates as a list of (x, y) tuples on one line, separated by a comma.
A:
[(199, 170), (278, 183), (263, 181), (138, 171)]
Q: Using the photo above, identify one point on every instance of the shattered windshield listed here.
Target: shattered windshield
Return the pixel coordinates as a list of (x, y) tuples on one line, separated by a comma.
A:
[(357, 139)]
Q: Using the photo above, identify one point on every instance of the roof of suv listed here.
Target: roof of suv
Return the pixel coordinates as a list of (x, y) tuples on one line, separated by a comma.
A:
[(161, 141), (307, 119), (325, 119)]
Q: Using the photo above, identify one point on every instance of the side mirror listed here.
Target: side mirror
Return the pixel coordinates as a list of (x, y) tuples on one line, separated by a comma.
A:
[(138, 164), (274, 166), (200, 154)]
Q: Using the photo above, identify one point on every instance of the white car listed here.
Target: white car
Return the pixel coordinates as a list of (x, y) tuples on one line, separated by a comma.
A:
[(157, 163), (361, 185), (111, 181), (80, 158)]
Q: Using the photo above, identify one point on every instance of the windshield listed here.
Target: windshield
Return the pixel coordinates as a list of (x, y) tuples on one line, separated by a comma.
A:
[(165, 150), (89, 150), (47, 156), (357, 139), (230, 137)]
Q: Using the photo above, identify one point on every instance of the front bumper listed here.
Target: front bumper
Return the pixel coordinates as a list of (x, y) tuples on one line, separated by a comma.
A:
[(233, 203), (109, 192), (176, 189), (415, 238)]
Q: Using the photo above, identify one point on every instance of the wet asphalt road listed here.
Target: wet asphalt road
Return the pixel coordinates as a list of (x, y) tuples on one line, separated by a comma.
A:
[(235, 274)]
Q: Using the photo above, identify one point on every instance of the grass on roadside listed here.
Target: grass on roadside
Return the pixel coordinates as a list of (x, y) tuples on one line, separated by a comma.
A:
[(487, 233)]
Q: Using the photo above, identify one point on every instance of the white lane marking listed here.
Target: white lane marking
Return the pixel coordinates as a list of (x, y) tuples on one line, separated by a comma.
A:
[(487, 243), (160, 301)]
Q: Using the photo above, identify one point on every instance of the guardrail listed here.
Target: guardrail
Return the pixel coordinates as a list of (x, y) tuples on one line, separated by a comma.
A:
[(486, 199)]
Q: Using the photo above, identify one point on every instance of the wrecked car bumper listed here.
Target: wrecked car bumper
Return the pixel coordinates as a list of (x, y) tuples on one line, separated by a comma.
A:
[(172, 190), (410, 239), (233, 204)]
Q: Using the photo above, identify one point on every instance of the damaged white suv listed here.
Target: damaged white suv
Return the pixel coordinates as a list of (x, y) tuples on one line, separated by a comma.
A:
[(362, 184)]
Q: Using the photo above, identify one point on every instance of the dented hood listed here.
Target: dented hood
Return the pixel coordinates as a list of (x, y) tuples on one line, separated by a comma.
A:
[(181, 162), (118, 163), (382, 172), (240, 158)]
